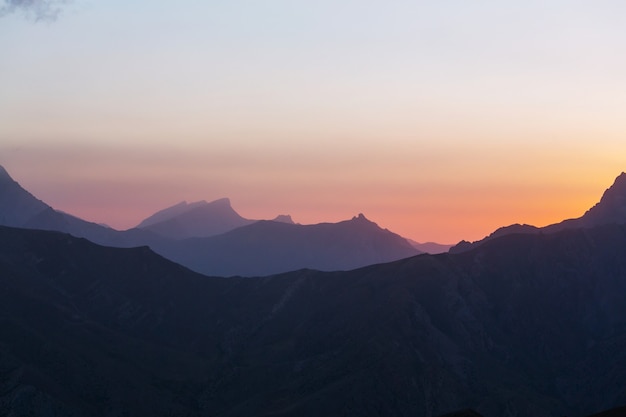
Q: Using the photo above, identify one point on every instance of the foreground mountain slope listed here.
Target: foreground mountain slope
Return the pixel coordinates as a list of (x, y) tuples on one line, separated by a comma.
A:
[(268, 247), (525, 325), (611, 209), (199, 219)]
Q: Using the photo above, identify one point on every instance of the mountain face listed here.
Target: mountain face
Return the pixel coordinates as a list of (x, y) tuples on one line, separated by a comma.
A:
[(199, 219), (268, 247), (610, 210), (524, 325)]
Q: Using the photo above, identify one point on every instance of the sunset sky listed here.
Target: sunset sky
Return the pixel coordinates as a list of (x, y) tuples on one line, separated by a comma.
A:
[(440, 120)]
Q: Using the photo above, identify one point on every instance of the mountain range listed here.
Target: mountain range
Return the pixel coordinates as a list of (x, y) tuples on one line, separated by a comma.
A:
[(523, 325), (214, 239), (270, 247), (610, 209), (527, 322)]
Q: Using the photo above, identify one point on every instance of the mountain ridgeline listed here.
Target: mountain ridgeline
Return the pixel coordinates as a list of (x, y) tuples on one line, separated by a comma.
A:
[(212, 238), (611, 209), (199, 219), (524, 325), (269, 247)]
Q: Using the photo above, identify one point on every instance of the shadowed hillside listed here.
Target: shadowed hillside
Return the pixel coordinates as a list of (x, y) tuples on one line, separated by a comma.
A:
[(525, 325)]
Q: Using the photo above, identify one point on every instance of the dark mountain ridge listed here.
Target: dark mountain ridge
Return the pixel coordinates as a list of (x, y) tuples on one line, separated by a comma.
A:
[(611, 209), (524, 325)]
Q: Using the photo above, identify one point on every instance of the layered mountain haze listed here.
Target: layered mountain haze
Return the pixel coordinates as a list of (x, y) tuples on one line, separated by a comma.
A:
[(611, 209), (522, 326), (214, 239), (270, 247), (199, 219)]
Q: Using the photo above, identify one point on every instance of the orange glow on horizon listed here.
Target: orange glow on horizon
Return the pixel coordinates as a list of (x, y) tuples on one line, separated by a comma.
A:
[(444, 208)]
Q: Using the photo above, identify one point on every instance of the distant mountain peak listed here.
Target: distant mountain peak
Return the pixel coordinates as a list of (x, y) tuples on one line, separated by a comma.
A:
[(181, 208), (284, 218), (197, 219), (361, 217), (225, 202)]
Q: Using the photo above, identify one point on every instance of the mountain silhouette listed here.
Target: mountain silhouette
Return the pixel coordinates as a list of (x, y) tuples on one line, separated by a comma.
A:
[(611, 209), (524, 325), (19, 208), (199, 219), (284, 218), (269, 247)]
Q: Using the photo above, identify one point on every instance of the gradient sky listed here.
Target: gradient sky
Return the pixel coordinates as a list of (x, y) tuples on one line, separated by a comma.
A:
[(440, 120)]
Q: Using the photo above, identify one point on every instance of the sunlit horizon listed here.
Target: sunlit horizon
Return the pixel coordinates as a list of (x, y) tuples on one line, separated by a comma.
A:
[(440, 121)]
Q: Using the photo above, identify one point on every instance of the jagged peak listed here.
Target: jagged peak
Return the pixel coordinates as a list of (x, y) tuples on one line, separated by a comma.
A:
[(361, 217), (362, 220)]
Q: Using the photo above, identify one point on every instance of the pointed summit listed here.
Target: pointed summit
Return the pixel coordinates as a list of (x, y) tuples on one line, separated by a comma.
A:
[(360, 217), (361, 221)]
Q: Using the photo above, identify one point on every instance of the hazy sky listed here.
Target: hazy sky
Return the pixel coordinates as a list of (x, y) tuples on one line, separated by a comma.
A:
[(440, 120)]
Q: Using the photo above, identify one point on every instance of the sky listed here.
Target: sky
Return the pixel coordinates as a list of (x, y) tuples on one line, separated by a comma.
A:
[(439, 120)]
